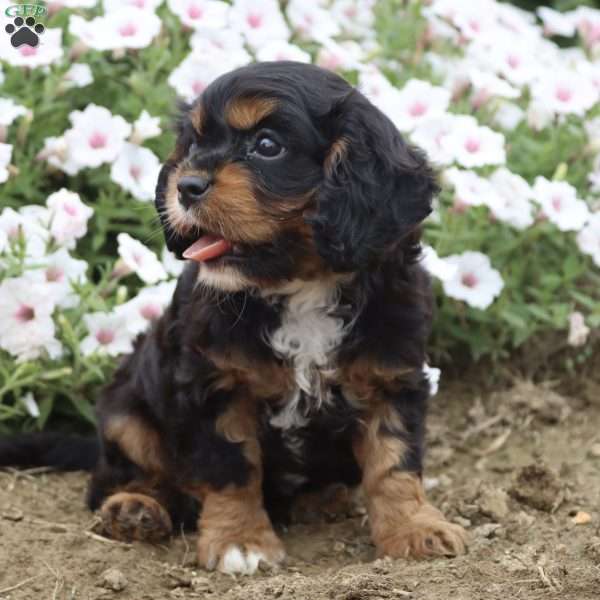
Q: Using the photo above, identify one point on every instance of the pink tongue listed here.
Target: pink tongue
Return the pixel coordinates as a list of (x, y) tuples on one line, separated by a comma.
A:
[(206, 248)]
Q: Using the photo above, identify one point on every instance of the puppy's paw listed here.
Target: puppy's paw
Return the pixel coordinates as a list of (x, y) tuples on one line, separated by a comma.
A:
[(425, 534), (128, 517), (239, 553)]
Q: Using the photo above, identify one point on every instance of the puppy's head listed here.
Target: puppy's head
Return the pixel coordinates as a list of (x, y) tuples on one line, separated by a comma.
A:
[(283, 171)]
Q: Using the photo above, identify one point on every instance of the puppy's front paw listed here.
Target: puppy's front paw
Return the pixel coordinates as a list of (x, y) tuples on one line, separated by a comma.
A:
[(239, 552), (129, 517), (425, 534)]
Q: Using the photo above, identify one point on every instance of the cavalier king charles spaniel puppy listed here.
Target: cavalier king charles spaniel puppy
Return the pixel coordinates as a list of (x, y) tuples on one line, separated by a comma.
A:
[(292, 355)]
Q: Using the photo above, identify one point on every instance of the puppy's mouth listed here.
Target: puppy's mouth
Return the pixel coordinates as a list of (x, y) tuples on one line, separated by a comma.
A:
[(209, 247)]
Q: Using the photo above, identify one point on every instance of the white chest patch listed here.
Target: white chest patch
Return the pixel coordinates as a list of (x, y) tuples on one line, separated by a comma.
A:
[(308, 338)]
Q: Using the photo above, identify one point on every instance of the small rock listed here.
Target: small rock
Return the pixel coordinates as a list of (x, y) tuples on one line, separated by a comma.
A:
[(201, 584), (594, 451), (581, 518), (114, 580), (493, 502), (466, 523), (339, 547), (488, 530), (14, 514)]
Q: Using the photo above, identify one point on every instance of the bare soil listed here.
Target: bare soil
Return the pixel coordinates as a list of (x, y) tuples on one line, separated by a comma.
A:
[(520, 469)]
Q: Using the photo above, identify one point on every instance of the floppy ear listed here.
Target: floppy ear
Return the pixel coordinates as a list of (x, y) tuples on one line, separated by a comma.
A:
[(175, 243), (376, 188)]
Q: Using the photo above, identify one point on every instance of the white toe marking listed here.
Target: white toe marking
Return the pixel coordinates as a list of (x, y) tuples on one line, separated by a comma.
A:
[(233, 561)]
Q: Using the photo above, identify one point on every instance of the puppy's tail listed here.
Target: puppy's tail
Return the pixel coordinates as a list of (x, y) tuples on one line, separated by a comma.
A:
[(61, 451)]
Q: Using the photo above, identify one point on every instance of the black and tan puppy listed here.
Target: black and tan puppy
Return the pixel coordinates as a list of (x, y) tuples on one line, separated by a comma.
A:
[(292, 354)]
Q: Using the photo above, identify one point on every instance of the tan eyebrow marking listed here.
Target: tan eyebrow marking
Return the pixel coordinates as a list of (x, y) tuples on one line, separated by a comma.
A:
[(245, 113)]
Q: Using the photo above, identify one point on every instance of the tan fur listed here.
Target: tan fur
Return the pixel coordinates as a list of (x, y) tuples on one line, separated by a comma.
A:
[(138, 441), (363, 380), (246, 113), (403, 523), (336, 154), (197, 118), (235, 516), (131, 516)]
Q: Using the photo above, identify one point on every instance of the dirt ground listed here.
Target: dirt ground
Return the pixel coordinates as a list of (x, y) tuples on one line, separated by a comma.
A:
[(520, 469)]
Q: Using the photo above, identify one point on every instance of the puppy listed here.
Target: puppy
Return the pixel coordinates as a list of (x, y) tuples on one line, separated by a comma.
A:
[(291, 357)]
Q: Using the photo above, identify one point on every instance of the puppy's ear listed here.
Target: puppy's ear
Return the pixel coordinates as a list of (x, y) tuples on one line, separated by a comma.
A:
[(175, 243), (376, 188)]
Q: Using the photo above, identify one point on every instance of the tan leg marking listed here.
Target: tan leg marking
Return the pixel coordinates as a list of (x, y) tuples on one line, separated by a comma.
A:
[(128, 517), (403, 523), (138, 441), (236, 533)]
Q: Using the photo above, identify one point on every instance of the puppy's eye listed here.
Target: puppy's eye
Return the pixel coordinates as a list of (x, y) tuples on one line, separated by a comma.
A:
[(267, 147)]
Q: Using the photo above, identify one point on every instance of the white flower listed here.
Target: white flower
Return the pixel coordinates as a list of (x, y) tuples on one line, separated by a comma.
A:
[(9, 111), (211, 42), (418, 101), (57, 152), (556, 23), (475, 281), (5, 156), (79, 75), (173, 266), (311, 21), (508, 116), (560, 204), (578, 330), (127, 27), (74, 3), (15, 225), (147, 306), (196, 73), (27, 330), (259, 21), (565, 92), (139, 259), (69, 217), (587, 21), (356, 17), (97, 136), (430, 136), (487, 85), (58, 272), (47, 52), (136, 170), (280, 50), (435, 265), (342, 56), (28, 401), (201, 14), (588, 239), (108, 334), (145, 127), (112, 5), (469, 188), (510, 202), (539, 115), (475, 146)]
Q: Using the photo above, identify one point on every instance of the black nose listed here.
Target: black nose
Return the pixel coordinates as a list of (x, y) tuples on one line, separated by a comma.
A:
[(192, 189)]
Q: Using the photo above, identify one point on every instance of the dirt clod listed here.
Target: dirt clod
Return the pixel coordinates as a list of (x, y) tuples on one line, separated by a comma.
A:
[(114, 580), (493, 502), (582, 518), (538, 486)]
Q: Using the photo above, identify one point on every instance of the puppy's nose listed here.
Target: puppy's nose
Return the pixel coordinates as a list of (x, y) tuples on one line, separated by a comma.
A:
[(192, 188)]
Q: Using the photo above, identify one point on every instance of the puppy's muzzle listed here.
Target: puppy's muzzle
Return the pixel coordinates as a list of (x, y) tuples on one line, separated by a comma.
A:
[(193, 189)]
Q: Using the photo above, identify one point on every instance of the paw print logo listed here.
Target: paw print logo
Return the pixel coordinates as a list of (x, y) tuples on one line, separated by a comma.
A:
[(24, 32)]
